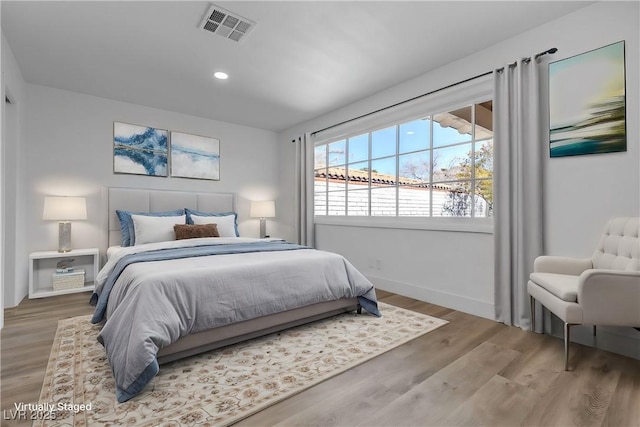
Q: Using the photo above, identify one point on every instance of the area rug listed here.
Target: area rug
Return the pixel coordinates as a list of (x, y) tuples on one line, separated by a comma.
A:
[(219, 387)]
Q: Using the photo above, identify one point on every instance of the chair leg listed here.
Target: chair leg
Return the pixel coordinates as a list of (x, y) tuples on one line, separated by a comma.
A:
[(567, 337), (533, 313), (594, 330)]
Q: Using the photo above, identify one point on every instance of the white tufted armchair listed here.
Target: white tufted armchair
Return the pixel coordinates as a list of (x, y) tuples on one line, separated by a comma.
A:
[(601, 290)]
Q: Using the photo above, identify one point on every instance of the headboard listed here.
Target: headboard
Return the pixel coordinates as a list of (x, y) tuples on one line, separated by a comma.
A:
[(142, 200)]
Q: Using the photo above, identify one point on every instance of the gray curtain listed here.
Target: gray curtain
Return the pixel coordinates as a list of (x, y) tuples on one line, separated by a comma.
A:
[(518, 148), (304, 190)]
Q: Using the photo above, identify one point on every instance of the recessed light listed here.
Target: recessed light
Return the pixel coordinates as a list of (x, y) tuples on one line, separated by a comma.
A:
[(220, 75)]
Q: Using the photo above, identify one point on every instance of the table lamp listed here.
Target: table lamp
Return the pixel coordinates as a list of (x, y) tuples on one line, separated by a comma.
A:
[(263, 210), (64, 209)]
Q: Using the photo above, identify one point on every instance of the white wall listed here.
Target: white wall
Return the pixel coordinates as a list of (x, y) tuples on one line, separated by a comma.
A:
[(440, 267), (14, 277), (581, 193), (69, 147)]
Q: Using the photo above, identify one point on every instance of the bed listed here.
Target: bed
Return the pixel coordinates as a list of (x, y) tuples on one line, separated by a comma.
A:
[(156, 300)]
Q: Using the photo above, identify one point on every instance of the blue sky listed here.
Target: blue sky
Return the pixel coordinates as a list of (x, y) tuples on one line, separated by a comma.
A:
[(414, 136)]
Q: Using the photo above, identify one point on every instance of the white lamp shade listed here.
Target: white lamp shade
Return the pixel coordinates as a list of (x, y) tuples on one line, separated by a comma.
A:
[(64, 208), (266, 209)]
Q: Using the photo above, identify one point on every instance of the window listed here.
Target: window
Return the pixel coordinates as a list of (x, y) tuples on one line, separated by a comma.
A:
[(440, 165)]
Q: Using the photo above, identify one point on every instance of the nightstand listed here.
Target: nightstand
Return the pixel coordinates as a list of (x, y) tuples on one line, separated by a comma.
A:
[(42, 267)]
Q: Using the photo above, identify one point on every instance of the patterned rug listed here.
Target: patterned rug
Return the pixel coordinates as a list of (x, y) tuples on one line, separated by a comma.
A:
[(222, 386)]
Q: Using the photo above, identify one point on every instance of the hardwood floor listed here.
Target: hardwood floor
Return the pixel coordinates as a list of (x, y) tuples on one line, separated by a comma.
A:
[(471, 372)]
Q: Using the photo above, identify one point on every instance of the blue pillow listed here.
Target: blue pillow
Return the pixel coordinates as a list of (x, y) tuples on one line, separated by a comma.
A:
[(126, 223), (190, 212)]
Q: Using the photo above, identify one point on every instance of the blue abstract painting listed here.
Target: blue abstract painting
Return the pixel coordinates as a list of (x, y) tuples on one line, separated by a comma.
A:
[(194, 156), (139, 150)]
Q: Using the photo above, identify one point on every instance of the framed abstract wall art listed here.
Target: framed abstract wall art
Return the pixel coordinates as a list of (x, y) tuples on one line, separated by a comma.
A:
[(587, 105), (194, 156), (139, 150)]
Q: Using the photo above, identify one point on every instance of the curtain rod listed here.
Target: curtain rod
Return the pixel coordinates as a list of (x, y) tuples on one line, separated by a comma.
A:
[(549, 51)]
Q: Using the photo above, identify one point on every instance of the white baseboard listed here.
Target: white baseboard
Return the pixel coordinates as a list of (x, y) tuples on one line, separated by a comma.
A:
[(624, 341), (433, 296)]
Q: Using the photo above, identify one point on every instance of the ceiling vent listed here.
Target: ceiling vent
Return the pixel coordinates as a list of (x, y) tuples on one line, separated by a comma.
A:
[(226, 24)]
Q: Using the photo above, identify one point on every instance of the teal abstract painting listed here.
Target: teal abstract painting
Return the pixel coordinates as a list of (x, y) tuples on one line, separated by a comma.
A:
[(587, 107)]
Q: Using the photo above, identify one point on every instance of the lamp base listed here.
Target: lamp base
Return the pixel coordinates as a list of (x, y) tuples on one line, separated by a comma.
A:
[(64, 236), (263, 228)]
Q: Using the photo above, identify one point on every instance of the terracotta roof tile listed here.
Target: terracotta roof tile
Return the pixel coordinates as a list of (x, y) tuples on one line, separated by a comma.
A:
[(339, 174)]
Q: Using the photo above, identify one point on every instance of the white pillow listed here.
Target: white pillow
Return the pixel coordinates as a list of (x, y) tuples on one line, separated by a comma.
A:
[(151, 229), (226, 223)]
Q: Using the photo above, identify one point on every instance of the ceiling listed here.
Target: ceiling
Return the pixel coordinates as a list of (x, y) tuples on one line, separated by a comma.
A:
[(301, 60)]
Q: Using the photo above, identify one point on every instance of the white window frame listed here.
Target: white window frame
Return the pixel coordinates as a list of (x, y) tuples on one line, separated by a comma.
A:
[(470, 93)]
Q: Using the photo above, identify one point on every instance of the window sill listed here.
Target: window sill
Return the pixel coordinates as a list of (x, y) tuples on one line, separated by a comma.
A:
[(463, 225)]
